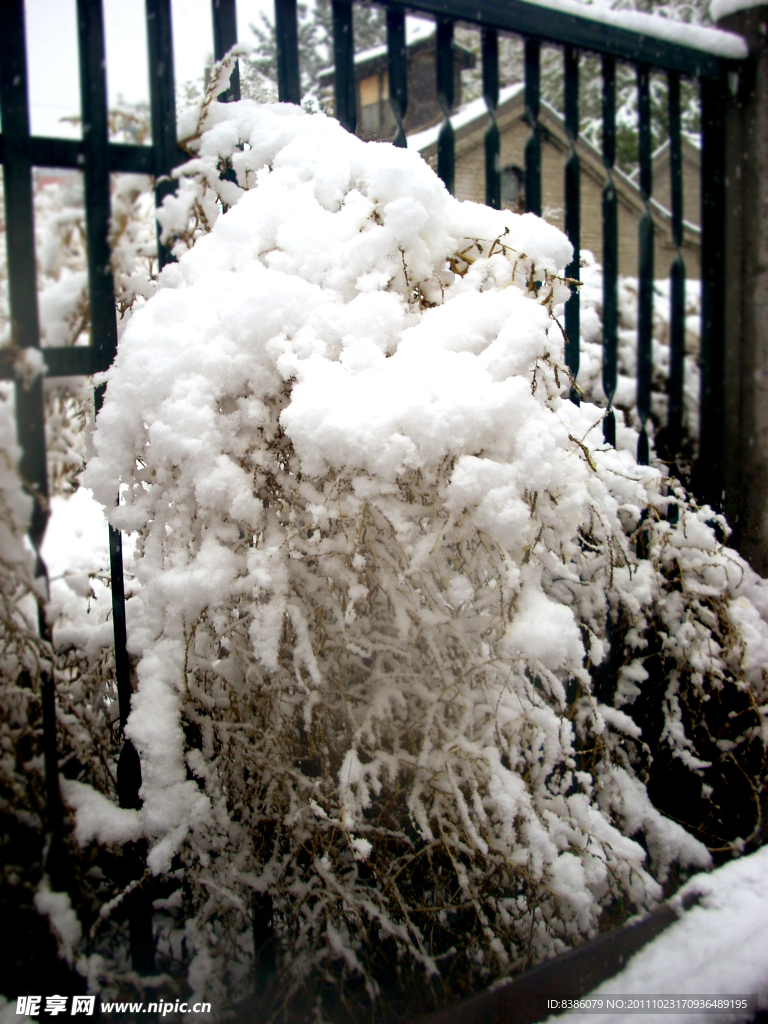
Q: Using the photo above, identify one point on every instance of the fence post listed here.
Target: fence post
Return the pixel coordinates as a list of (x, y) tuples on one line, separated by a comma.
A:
[(745, 281)]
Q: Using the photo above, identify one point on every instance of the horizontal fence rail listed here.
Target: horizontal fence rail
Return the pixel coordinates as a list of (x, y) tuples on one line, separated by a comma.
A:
[(97, 158)]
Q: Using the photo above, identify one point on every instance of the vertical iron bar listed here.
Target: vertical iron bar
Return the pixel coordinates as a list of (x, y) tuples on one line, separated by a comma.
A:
[(93, 98), (344, 65), (287, 38), (645, 267), (163, 105), (224, 38), (533, 145), (446, 166), (25, 328), (708, 471), (93, 91), (93, 87), (676, 275), (572, 216), (490, 50), (397, 64), (224, 15), (20, 239), (610, 250), (676, 156)]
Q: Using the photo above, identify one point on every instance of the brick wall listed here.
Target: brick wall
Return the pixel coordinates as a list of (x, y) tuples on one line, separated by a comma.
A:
[(470, 184), (662, 185)]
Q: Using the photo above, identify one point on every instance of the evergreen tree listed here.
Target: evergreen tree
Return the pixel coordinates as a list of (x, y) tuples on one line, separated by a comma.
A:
[(315, 42)]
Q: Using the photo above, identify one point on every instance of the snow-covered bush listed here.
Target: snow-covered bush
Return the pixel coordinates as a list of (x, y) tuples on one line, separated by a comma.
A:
[(400, 609)]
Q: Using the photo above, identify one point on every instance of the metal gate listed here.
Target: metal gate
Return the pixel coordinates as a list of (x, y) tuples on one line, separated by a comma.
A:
[(97, 158)]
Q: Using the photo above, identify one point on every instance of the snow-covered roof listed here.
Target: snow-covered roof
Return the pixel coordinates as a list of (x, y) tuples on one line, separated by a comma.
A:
[(687, 138), (416, 31), (464, 115)]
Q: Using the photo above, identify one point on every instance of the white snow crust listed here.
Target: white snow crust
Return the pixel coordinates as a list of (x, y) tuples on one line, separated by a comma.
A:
[(711, 40), (719, 9)]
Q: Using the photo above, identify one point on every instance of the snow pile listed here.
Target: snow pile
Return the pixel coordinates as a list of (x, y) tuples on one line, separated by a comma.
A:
[(389, 575)]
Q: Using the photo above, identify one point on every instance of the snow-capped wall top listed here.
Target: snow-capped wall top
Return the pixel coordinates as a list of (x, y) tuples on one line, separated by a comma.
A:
[(710, 40), (717, 947), (719, 9)]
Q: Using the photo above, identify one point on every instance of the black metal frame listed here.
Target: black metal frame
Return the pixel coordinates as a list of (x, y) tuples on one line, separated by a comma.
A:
[(578, 34), (97, 158)]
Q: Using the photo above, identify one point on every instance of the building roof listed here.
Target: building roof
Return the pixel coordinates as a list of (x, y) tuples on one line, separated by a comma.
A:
[(471, 120), (466, 115), (416, 29), (691, 147)]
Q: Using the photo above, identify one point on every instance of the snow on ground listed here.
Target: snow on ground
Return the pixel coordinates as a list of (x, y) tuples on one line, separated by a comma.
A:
[(719, 947)]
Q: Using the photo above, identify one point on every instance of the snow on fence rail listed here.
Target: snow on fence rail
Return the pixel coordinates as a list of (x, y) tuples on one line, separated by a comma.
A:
[(708, 58)]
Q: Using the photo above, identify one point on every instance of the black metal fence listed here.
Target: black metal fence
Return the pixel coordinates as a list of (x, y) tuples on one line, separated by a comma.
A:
[(97, 158)]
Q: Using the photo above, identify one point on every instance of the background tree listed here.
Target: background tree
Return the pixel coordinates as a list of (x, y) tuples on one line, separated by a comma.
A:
[(511, 70), (315, 42)]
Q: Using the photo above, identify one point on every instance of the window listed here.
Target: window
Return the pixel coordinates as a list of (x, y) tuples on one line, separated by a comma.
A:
[(513, 188), (369, 91), (375, 114)]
